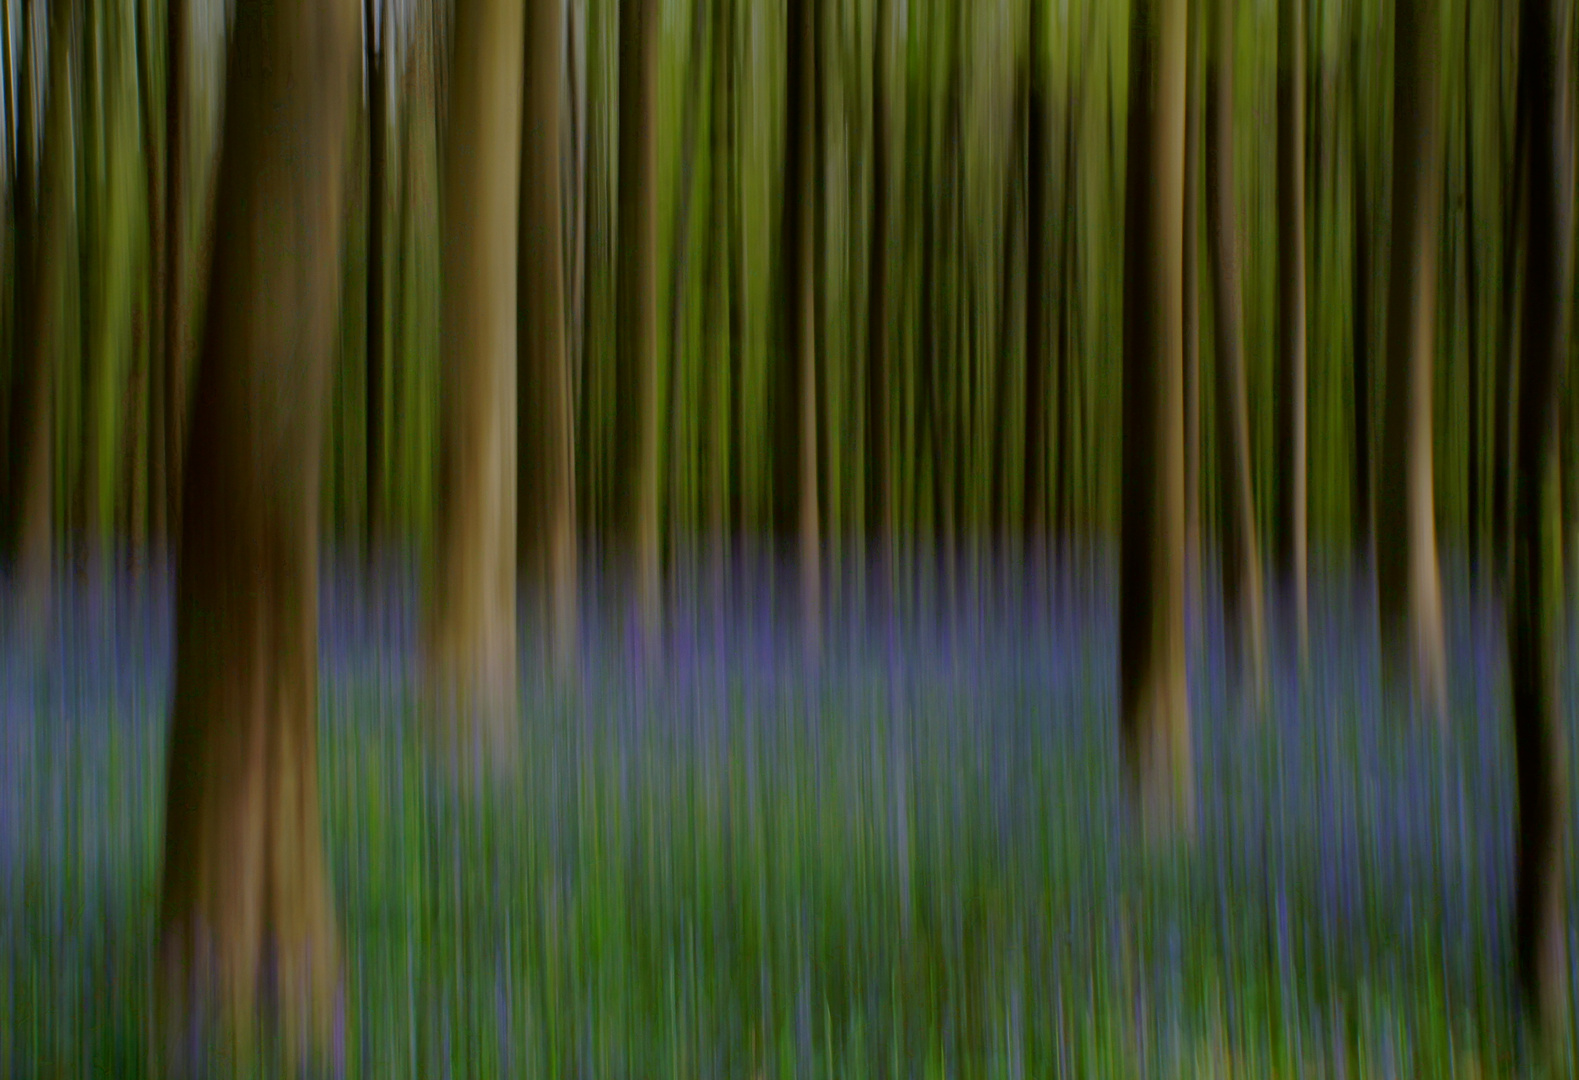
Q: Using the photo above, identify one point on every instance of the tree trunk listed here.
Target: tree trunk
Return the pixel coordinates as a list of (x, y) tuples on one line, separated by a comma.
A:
[(1038, 259), (547, 484), (1364, 535), (1192, 316), (472, 619), (170, 408), (1409, 588), (245, 897), (40, 337), (1504, 436), (1472, 314), (718, 428), (1539, 906), (1290, 523), (1241, 551), (636, 331), (879, 504), (795, 516), (376, 13), (1153, 701)]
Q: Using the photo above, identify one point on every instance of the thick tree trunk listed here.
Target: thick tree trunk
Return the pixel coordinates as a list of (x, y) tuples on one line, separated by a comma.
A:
[(879, 503), (1408, 583), (547, 536), (40, 337), (1539, 921), (377, 47), (636, 302), (1290, 533), (245, 899), (472, 647), (795, 510), (1153, 701), (1241, 551)]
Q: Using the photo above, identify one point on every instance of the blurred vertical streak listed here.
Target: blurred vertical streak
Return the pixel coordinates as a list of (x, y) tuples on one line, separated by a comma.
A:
[(375, 37)]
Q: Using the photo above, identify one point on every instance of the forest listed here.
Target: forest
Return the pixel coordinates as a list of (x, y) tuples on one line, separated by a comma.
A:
[(794, 538)]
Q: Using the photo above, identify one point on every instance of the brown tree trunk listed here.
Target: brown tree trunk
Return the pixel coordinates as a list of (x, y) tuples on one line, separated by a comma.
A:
[(1290, 532), (1364, 512), (636, 303), (1241, 551), (1539, 920), (879, 503), (376, 13), (1408, 585), (795, 516), (1472, 314), (1038, 260), (40, 337), (1192, 315), (719, 431), (472, 648), (547, 535), (1504, 435), (170, 407), (1154, 706), (245, 898)]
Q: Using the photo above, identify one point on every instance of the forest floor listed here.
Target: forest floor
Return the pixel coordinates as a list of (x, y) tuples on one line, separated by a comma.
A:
[(911, 862)]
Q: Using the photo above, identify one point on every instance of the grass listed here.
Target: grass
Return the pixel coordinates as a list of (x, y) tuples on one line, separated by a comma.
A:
[(914, 862)]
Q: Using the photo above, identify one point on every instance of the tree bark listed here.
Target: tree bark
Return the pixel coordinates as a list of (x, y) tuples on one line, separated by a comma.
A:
[(1539, 906), (547, 483), (1154, 705), (1504, 437), (245, 897), (636, 302), (1408, 584), (1290, 530), (1241, 550), (795, 510), (472, 647)]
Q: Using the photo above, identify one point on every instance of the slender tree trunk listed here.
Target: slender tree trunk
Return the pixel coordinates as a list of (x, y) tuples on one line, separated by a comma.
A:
[(1539, 906), (636, 331), (1241, 550), (1364, 538), (377, 47), (245, 896), (1409, 588), (1192, 315), (547, 534), (718, 428), (735, 269), (1038, 260), (1290, 523), (146, 378), (472, 621), (679, 263), (1001, 514), (170, 409), (1472, 314), (40, 340), (879, 504), (1504, 435), (795, 511), (1154, 705)]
